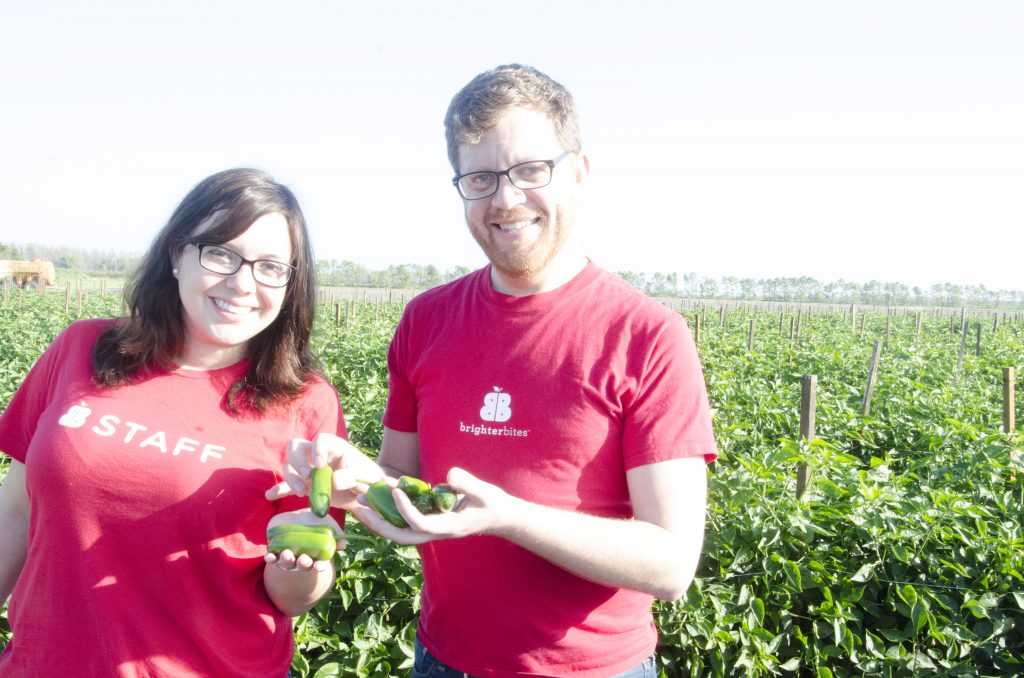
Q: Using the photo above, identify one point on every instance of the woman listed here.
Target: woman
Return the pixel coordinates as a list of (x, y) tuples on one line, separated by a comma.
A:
[(132, 518)]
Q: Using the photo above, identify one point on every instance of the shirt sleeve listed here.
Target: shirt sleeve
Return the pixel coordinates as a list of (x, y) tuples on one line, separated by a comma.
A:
[(401, 410), (323, 410), (18, 421), (669, 416)]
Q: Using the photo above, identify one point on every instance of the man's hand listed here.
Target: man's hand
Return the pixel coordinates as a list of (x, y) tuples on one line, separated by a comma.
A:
[(350, 467), (482, 508)]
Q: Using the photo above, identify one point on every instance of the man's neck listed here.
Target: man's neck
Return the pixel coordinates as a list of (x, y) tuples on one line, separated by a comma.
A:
[(558, 272)]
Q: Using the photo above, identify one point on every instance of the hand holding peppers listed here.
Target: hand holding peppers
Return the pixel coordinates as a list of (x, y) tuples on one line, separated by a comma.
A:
[(326, 469), (299, 540), (426, 499), (317, 541)]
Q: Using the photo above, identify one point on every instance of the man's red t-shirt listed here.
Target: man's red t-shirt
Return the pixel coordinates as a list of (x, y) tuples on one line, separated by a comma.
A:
[(552, 397)]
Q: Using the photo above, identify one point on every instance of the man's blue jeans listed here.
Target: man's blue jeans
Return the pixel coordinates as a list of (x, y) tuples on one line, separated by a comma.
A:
[(427, 666)]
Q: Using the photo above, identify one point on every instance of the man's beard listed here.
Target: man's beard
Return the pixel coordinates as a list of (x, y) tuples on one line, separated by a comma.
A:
[(520, 260)]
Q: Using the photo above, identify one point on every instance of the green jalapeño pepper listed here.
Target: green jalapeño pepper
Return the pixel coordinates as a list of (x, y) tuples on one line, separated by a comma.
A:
[(316, 541), (278, 531), (418, 492), (320, 485), (443, 497), (379, 496)]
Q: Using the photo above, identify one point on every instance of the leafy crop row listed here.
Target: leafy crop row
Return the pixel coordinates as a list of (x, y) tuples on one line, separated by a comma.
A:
[(905, 556)]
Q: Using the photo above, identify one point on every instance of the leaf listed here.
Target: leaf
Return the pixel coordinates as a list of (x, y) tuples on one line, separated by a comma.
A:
[(976, 609), (757, 609), (329, 670), (792, 571), (907, 594), (346, 598), (865, 573), (919, 615)]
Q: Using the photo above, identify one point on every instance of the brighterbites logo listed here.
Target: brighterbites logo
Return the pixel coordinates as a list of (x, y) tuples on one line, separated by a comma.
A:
[(497, 408)]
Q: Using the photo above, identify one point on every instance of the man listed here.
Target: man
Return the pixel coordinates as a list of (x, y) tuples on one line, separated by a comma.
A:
[(566, 408)]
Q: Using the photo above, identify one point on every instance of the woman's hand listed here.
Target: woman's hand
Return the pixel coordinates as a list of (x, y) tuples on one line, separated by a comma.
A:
[(288, 560), (352, 469)]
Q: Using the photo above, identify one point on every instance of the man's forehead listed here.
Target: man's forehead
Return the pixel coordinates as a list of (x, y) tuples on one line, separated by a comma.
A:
[(518, 136)]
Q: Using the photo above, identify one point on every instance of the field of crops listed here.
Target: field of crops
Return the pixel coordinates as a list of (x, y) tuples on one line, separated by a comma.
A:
[(905, 555)]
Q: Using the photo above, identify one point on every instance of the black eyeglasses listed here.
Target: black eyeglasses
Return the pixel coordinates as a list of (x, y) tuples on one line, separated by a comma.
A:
[(220, 259), (524, 176)]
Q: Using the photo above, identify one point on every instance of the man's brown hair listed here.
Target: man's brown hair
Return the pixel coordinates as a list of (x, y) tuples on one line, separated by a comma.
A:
[(480, 105)]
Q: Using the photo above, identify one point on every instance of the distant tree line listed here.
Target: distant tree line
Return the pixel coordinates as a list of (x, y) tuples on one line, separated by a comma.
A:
[(806, 289), (334, 273), (93, 262)]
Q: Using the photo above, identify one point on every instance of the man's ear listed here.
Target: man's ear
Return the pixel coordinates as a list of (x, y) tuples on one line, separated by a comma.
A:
[(582, 168)]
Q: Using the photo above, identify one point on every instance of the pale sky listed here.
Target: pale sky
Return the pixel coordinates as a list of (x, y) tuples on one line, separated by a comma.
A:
[(859, 140)]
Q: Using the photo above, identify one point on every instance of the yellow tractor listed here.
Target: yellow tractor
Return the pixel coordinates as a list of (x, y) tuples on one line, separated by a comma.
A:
[(31, 275)]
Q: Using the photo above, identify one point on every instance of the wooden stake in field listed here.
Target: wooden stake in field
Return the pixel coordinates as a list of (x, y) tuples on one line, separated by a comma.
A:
[(808, 403), (1009, 401), (750, 337), (963, 345), (865, 406)]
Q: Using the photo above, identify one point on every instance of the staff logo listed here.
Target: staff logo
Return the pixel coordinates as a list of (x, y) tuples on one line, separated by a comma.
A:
[(75, 417), (497, 406)]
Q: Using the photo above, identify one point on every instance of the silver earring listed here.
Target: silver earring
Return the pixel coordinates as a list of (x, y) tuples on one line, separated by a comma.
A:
[(174, 271)]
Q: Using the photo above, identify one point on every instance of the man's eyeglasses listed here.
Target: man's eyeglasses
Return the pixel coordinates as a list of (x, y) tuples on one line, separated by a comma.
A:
[(524, 176), (220, 259)]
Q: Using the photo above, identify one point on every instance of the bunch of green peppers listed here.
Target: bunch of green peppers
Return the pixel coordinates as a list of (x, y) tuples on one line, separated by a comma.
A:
[(426, 499), (320, 542)]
